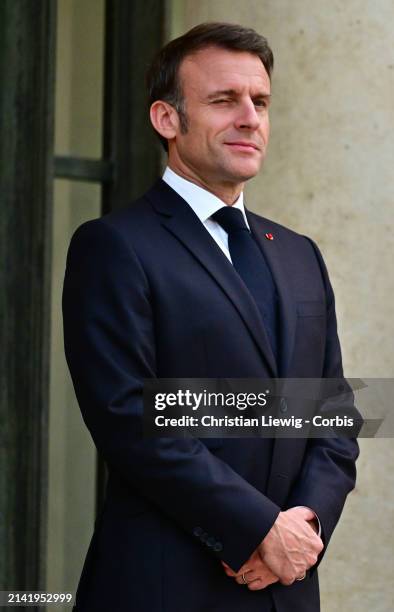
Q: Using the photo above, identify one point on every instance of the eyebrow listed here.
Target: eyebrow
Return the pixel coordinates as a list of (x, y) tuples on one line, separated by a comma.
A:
[(233, 92)]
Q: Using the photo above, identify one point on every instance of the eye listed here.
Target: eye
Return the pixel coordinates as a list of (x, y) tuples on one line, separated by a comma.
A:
[(221, 100), (261, 103)]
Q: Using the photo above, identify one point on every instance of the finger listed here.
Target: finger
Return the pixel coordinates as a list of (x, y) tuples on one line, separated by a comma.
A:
[(287, 581), (307, 514), (253, 575), (239, 578), (262, 583), (228, 570), (256, 585)]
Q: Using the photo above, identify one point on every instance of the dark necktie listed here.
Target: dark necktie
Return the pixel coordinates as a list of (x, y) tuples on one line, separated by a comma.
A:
[(250, 263)]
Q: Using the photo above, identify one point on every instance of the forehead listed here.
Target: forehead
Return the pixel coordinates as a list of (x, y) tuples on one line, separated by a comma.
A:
[(214, 68)]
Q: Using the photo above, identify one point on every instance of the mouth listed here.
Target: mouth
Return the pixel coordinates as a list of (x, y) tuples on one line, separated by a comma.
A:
[(242, 145)]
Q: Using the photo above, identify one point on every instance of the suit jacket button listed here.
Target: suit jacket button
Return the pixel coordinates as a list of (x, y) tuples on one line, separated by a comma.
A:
[(283, 405), (197, 531), (218, 547), (211, 542)]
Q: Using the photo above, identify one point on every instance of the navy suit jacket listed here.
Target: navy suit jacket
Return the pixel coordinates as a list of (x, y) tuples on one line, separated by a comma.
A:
[(148, 293)]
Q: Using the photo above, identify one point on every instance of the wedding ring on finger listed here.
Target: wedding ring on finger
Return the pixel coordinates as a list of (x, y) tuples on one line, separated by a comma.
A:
[(301, 578), (244, 579)]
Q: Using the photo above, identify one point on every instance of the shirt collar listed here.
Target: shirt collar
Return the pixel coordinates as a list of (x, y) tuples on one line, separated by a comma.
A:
[(203, 203)]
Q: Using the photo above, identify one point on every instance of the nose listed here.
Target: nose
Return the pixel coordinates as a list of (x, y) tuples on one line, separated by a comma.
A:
[(247, 117)]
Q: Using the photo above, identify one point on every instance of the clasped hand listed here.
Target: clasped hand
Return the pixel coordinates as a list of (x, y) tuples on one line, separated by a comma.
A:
[(289, 549)]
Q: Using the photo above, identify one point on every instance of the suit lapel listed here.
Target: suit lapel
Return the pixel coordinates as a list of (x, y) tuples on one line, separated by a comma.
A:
[(181, 221), (274, 252)]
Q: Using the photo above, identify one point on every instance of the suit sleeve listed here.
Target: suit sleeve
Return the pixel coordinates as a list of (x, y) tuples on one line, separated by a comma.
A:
[(329, 470), (109, 335)]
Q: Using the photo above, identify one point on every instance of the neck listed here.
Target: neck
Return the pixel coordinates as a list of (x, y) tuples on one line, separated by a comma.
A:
[(225, 191)]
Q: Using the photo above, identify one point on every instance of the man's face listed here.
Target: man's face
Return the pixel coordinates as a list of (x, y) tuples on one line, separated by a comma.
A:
[(226, 97)]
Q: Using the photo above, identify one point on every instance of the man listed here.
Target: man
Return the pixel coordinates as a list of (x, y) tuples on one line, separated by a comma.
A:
[(186, 282)]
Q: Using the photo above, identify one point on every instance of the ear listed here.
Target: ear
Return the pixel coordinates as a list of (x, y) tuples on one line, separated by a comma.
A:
[(164, 119)]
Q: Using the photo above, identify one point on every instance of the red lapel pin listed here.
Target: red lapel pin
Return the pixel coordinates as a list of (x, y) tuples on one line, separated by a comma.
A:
[(269, 236)]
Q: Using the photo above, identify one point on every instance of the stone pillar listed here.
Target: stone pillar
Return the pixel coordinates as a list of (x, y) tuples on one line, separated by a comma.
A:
[(26, 148)]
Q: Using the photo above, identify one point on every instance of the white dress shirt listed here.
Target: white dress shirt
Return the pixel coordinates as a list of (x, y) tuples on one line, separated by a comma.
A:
[(204, 204)]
